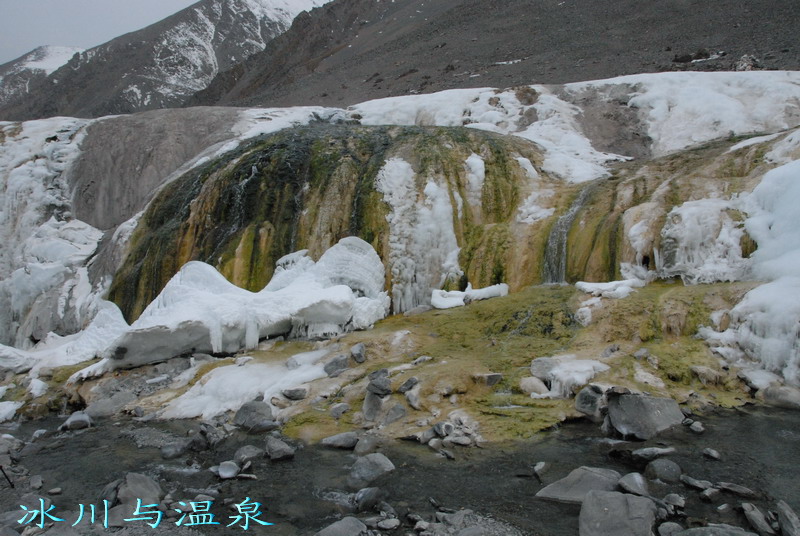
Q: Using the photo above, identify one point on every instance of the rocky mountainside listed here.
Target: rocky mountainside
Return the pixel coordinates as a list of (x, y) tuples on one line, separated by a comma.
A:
[(355, 50), (17, 77), (158, 66)]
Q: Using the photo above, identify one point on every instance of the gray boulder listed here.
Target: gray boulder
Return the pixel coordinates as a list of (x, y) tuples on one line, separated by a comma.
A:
[(368, 498), (669, 529), (296, 393), (664, 470), (737, 489), (368, 468), (380, 386), (380, 373), (789, 522), (782, 396), (359, 353), (489, 379), (574, 487), (634, 483), (228, 469), (408, 385), (643, 416), (335, 366), (248, 453), (695, 483), (346, 440), (531, 385), (137, 486), (590, 401), (278, 449), (757, 520), (255, 417), (651, 453), (413, 398), (366, 445), (610, 513), (349, 526), (396, 413), (108, 406), (77, 421), (373, 404)]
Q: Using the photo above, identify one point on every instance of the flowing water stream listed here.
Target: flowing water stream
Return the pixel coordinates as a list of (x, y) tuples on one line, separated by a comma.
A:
[(555, 259)]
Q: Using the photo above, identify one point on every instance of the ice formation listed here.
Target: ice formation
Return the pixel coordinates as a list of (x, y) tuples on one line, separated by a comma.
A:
[(765, 324), (200, 311), (423, 251), (611, 289), (44, 285), (568, 372), (214, 395), (443, 299), (701, 243)]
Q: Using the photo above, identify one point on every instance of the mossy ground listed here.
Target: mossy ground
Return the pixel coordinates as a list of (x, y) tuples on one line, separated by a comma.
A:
[(503, 335)]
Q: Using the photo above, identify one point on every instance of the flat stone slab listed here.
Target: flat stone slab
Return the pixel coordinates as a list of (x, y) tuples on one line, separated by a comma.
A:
[(643, 416), (573, 488), (610, 513)]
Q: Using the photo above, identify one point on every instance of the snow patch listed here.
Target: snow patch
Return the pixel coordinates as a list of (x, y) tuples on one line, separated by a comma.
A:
[(682, 110)]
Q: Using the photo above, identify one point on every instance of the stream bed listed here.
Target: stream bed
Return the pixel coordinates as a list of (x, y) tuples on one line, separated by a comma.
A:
[(759, 448)]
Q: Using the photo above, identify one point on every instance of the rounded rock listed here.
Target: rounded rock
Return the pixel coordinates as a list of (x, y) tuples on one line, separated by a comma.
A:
[(664, 470), (228, 470)]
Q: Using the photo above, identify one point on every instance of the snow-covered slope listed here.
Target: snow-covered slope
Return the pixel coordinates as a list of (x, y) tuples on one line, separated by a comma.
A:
[(17, 76), (159, 66)]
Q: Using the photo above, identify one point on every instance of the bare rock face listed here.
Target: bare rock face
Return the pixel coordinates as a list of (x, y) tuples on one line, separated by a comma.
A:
[(124, 159)]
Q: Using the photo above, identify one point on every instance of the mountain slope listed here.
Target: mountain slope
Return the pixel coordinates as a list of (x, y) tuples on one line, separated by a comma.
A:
[(352, 51), (160, 65), (17, 76)]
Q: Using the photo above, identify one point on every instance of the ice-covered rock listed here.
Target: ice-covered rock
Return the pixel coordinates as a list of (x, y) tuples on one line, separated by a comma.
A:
[(765, 325), (200, 311), (565, 372), (444, 299), (701, 243), (611, 289)]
